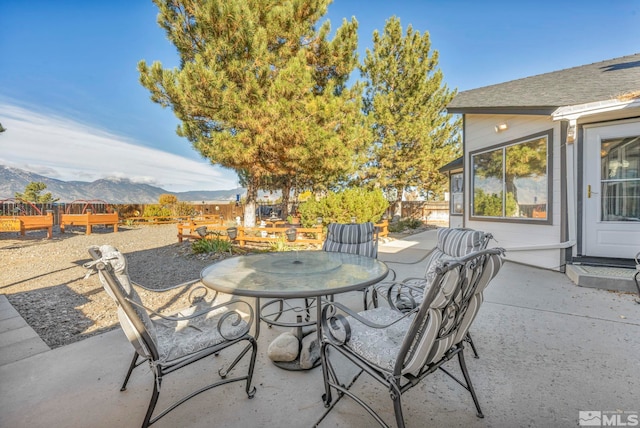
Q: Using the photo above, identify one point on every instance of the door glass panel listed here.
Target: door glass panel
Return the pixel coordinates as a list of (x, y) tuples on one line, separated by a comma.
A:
[(620, 179)]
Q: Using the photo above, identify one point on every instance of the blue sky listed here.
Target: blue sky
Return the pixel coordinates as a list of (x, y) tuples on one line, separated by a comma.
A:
[(74, 110)]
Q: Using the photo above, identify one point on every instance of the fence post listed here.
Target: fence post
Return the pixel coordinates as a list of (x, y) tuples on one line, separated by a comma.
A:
[(179, 232), (241, 236)]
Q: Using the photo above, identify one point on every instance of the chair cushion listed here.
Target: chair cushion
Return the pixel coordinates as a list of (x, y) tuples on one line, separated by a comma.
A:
[(453, 243), (448, 309), (179, 338), (459, 242), (351, 238), (379, 346), (441, 330)]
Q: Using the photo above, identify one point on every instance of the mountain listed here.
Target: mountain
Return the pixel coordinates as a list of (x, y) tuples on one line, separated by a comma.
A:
[(111, 190)]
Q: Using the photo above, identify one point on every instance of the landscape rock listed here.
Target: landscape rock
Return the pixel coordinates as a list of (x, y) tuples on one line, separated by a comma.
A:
[(310, 352), (284, 348)]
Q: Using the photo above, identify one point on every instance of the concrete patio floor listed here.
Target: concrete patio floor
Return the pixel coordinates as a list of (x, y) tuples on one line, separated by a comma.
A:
[(548, 349)]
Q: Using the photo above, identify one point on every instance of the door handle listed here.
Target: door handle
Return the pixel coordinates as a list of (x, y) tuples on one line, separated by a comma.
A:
[(589, 192)]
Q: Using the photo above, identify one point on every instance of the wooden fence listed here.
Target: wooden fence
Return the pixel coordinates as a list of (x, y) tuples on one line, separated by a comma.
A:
[(269, 233), (436, 213)]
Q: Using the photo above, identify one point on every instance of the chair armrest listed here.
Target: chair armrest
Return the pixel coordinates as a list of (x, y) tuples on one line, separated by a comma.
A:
[(228, 309), (416, 281), (334, 321), (401, 296), (197, 313)]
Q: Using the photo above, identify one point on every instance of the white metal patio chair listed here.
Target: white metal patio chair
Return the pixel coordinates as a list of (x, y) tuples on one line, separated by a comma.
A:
[(169, 343), (451, 244), (399, 349)]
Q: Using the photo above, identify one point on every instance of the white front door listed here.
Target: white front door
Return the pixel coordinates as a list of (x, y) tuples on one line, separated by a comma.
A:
[(611, 192)]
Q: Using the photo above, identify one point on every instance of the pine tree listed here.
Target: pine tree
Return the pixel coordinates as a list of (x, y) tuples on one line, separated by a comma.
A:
[(259, 89), (405, 99), (33, 193)]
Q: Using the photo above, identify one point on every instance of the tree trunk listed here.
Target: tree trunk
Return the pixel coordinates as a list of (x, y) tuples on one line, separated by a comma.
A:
[(286, 192), (250, 205), (397, 208), (397, 205)]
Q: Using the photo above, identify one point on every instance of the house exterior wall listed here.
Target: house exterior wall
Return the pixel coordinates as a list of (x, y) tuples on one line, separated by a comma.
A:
[(526, 241), (455, 221)]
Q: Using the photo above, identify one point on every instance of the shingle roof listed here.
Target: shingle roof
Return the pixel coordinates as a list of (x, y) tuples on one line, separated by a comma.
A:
[(543, 93)]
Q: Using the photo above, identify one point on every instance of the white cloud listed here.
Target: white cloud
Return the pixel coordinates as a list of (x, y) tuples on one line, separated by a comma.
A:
[(64, 149)]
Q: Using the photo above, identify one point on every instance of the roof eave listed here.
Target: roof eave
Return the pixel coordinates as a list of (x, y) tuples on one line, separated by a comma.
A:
[(534, 111), (576, 111), (453, 165)]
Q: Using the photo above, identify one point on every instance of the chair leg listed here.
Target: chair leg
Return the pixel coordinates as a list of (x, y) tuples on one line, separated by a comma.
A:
[(397, 405), (465, 373), (154, 400), (251, 392), (326, 397), (132, 366), (468, 339)]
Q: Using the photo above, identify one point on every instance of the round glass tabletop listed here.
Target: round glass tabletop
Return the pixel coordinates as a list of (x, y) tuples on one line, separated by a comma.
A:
[(293, 274)]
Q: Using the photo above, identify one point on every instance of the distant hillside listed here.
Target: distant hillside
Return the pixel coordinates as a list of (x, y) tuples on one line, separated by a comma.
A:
[(114, 191)]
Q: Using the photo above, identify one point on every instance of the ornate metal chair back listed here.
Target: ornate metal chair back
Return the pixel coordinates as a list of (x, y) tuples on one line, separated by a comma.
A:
[(134, 320), (443, 318)]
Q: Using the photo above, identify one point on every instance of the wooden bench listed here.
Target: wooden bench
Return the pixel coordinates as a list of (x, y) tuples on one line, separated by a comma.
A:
[(27, 222), (88, 220)]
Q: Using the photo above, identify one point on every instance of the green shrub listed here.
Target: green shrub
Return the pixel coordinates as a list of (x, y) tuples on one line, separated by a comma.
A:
[(157, 211), (216, 245), (282, 244), (404, 224), (341, 207)]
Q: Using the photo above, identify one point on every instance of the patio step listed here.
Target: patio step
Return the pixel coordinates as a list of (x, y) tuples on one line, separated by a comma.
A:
[(17, 339), (602, 277)]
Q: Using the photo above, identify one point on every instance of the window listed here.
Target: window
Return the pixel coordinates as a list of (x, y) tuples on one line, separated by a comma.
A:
[(456, 202), (511, 181)]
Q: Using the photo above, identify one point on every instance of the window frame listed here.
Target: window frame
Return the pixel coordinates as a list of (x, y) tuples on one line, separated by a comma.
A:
[(502, 146), (452, 193)]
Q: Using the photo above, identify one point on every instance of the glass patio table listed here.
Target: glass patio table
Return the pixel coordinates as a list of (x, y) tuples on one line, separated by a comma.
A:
[(292, 275)]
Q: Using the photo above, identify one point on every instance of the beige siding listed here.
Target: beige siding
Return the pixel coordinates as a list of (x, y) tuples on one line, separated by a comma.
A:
[(455, 221), (480, 134)]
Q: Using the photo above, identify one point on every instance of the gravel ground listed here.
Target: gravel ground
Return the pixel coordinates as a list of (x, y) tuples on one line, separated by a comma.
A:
[(45, 282)]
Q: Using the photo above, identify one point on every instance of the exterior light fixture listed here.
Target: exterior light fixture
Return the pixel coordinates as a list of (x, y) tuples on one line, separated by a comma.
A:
[(501, 127)]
